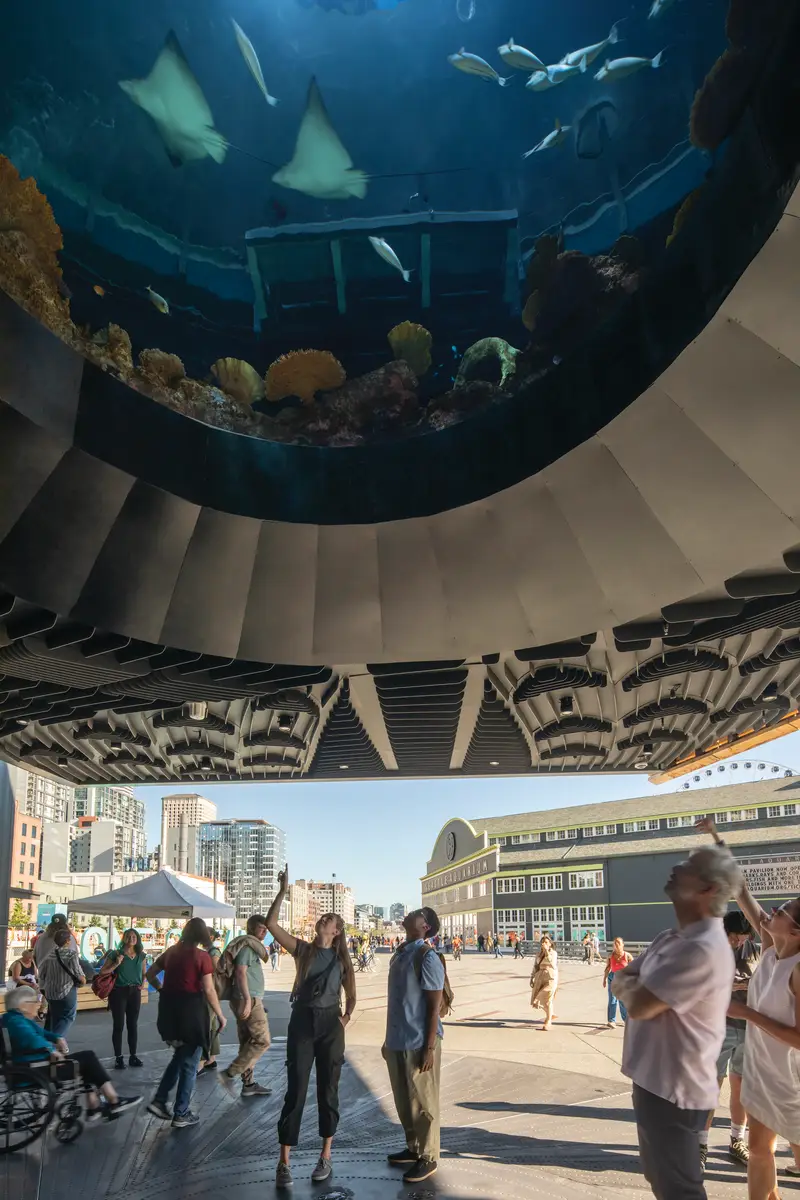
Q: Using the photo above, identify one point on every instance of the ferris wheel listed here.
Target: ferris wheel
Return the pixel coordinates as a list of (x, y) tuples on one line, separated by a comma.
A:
[(747, 771)]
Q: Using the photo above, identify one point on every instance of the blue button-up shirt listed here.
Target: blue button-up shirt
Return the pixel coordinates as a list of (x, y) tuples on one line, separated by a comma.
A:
[(407, 1012)]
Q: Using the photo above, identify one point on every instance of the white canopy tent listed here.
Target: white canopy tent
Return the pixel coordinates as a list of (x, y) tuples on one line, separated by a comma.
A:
[(162, 894)]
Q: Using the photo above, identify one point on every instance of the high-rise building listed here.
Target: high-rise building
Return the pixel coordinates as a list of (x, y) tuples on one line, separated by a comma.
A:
[(25, 863), (196, 809), (246, 856), (113, 802), (85, 845), (329, 898), (43, 798), (298, 907), (397, 912), (379, 912)]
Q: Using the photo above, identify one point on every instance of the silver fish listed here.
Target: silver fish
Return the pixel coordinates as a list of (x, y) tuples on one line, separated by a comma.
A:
[(382, 248), (563, 71), (540, 81), (253, 65), (519, 58), (590, 53), (620, 68), (471, 64), (158, 301), (554, 138)]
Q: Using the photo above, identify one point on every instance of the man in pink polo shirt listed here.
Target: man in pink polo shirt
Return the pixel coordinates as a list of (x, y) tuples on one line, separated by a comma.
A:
[(677, 994)]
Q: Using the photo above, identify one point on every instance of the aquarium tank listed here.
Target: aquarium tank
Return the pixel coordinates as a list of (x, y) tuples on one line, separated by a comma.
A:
[(337, 222)]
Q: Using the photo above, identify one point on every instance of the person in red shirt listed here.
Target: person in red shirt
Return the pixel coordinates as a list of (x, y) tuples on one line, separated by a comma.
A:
[(186, 993)]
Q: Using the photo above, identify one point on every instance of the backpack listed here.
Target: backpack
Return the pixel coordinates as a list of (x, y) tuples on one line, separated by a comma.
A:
[(225, 969), (447, 991)]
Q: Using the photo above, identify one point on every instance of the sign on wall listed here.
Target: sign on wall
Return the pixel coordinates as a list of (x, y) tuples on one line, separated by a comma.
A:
[(773, 875), (463, 874)]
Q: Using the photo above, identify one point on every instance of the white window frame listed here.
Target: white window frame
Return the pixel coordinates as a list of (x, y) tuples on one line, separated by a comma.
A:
[(508, 886), (673, 822), (580, 880), (547, 883), (482, 887)]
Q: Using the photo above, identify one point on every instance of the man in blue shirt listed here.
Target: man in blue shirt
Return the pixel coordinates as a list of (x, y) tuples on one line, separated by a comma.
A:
[(413, 1046)]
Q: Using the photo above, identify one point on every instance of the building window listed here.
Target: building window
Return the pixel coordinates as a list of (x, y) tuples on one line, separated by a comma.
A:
[(515, 840), (654, 823), (30, 887), (750, 814), (22, 868), (482, 888), (33, 850), (546, 883), (586, 879), (470, 891), (31, 868), (781, 810), (687, 821), (24, 829), (511, 885), (510, 916), (548, 920), (629, 827), (589, 914), (721, 817), (599, 830), (551, 835), (492, 841), (672, 822), (22, 848), (33, 831)]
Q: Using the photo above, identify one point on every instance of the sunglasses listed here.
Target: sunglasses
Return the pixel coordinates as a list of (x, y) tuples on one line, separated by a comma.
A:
[(784, 909)]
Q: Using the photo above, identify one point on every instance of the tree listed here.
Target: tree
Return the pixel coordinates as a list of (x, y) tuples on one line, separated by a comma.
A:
[(120, 924), (18, 918), (96, 922)]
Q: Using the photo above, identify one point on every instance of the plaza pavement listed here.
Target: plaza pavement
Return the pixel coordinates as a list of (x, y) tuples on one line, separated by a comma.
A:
[(524, 1113)]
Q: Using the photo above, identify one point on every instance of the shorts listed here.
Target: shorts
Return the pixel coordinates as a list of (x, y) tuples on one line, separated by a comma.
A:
[(732, 1052)]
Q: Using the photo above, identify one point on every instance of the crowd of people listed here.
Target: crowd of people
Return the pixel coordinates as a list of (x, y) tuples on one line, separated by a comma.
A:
[(716, 996)]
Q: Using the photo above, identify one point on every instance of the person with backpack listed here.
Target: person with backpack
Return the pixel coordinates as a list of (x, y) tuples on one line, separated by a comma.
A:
[(323, 970), (126, 965), (60, 976), (210, 1063), (419, 993), (240, 979)]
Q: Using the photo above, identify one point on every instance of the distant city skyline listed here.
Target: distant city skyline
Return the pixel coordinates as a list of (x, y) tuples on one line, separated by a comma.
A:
[(376, 836)]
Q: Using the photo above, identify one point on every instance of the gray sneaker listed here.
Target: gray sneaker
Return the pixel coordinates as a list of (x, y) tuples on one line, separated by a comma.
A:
[(159, 1109), (323, 1170), (185, 1120), (255, 1089), (283, 1176)]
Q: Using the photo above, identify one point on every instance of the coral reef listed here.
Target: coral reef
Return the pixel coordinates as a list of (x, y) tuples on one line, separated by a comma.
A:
[(383, 402), (25, 210), (238, 379), (412, 343), (456, 405), (110, 349), (160, 368), (30, 241), (303, 373), (491, 360)]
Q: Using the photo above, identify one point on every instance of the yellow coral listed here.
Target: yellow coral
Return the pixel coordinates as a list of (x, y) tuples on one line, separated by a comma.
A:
[(413, 344), (238, 379), (24, 208), (30, 241), (303, 373), (158, 366)]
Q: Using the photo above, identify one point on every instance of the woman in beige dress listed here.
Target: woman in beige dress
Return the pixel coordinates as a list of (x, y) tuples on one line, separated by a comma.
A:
[(544, 979)]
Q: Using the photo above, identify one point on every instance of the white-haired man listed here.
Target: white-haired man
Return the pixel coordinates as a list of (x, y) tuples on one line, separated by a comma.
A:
[(677, 994)]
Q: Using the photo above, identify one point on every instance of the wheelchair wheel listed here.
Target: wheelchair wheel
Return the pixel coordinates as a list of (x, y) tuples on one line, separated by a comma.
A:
[(67, 1130), (27, 1104)]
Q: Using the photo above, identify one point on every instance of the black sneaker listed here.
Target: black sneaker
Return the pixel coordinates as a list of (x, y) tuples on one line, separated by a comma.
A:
[(112, 1111), (159, 1109), (703, 1155), (134, 1061), (185, 1120), (119, 1063), (422, 1169), (738, 1151), (401, 1157)]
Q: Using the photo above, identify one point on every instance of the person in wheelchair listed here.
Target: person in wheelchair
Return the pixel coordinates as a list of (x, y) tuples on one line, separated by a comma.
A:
[(32, 1045)]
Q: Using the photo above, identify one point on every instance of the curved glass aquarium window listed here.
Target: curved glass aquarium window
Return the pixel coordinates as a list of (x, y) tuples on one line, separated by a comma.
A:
[(328, 222)]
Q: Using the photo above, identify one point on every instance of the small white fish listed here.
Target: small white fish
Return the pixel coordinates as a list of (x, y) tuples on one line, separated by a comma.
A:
[(158, 301), (519, 58), (659, 6), (382, 247), (540, 81), (560, 72), (470, 64), (251, 58), (590, 53), (555, 138), (619, 68)]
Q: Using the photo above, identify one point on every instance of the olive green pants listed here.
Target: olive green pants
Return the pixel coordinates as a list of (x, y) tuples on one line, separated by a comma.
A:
[(416, 1097)]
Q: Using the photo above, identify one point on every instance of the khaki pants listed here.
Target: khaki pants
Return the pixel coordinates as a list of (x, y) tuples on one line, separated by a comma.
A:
[(416, 1097), (254, 1038)]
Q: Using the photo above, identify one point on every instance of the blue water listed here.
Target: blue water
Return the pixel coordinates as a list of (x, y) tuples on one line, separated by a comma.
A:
[(428, 135)]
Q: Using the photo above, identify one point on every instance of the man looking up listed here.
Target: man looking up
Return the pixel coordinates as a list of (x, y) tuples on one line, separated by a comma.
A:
[(413, 1046), (248, 1007), (677, 995)]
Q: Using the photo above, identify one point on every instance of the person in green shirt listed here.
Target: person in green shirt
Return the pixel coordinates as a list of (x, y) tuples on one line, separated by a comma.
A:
[(127, 963), (247, 1006)]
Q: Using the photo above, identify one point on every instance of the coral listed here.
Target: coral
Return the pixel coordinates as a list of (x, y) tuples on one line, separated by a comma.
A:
[(456, 405), (376, 402), (491, 360), (36, 290), (111, 349), (24, 209), (238, 379), (303, 373), (161, 368), (412, 343), (628, 250), (542, 261), (682, 213)]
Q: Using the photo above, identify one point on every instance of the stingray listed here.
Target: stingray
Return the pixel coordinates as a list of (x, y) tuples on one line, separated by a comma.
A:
[(173, 99), (320, 166)]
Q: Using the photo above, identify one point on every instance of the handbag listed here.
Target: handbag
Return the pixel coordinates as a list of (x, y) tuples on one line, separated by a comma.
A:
[(66, 970)]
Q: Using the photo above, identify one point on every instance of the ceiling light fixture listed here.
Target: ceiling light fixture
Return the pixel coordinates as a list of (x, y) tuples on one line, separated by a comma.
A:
[(205, 764), (344, 766), (566, 704), (198, 710), (493, 762), (285, 722), (641, 764)]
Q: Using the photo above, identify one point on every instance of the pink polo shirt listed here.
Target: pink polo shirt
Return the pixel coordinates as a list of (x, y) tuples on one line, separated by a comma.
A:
[(674, 1055)]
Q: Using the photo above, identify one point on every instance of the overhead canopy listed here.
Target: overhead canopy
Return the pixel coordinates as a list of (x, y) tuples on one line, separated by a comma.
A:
[(160, 895)]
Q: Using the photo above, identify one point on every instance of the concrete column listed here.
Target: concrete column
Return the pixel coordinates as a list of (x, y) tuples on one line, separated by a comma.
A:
[(7, 813)]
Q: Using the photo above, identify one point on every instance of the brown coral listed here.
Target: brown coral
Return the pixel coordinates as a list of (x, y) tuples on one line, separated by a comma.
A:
[(111, 349), (238, 379), (30, 241), (303, 373), (412, 343), (23, 208), (161, 368)]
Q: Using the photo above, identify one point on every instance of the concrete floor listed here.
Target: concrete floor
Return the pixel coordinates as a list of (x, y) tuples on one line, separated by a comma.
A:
[(524, 1113)]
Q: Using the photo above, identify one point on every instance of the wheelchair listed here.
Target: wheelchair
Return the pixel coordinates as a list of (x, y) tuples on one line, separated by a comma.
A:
[(32, 1095)]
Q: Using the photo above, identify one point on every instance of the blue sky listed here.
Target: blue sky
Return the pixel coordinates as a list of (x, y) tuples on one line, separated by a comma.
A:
[(377, 837)]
